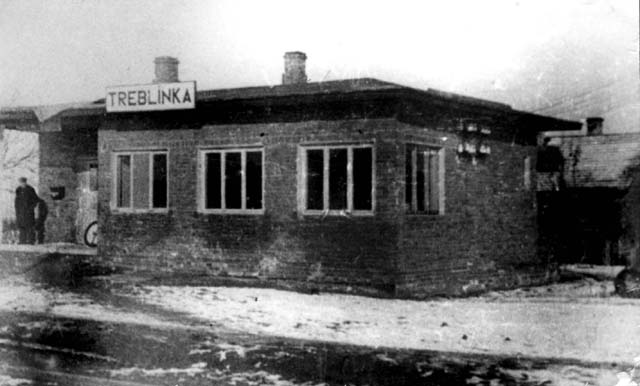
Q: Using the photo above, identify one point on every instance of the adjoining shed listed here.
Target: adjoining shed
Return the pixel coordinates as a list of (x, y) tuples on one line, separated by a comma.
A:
[(589, 220)]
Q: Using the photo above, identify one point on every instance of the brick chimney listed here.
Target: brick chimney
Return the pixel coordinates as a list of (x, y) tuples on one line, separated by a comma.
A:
[(594, 125), (294, 68), (166, 69)]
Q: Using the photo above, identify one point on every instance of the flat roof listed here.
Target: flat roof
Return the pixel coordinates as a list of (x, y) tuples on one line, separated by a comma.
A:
[(345, 88)]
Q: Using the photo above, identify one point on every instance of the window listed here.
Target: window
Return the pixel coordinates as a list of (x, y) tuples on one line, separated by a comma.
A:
[(140, 180), (527, 173), (232, 181), (424, 170), (93, 177), (337, 179)]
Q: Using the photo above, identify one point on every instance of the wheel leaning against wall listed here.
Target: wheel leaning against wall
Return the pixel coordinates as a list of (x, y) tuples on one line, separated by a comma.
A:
[(91, 235)]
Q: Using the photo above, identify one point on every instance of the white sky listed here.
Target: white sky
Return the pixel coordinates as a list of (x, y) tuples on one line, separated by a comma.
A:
[(64, 50)]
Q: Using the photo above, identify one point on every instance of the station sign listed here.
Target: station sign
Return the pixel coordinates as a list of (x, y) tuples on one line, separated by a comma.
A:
[(151, 97)]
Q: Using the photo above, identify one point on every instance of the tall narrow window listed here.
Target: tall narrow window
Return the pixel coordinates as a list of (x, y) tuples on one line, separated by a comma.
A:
[(141, 180), (527, 173), (159, 178), (232, 181), (362, 172), (315, 179), (213, 185), (254, 180), (338, 179), (123, 181), (422, 179)]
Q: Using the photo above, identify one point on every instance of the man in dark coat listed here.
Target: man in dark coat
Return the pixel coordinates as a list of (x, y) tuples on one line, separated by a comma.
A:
[(25, 204), (41, 216)]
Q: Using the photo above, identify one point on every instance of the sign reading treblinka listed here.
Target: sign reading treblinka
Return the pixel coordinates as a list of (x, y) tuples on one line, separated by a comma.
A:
[(151, 97)]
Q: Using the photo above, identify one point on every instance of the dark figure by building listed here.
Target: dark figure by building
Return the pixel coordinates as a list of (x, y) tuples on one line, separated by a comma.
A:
[(551, 164), (41, 216), (25, 204)]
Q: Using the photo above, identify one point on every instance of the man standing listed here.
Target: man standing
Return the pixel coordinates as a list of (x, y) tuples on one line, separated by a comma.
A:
[(26, 201), (41, 216)]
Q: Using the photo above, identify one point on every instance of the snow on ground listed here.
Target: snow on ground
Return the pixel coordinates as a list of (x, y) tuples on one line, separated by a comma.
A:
[(568, 376), (6, 380), (196, 368), (586, 288), (18, 294), (582, 320), (590, 329), (245, 378)]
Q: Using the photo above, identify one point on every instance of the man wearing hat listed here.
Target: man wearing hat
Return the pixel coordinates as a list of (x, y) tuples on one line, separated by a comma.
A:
[(25, 204)]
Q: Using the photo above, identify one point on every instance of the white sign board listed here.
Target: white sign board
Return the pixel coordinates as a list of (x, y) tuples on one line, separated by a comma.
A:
[(151, 97)]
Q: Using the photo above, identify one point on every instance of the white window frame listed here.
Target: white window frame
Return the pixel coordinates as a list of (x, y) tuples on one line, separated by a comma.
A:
[(302, 180), (243, 186), (114, 181), (440, 156)]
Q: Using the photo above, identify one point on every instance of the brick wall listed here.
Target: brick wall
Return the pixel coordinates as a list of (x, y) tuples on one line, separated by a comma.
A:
[(487, 237), (280, 244), (487, 233)]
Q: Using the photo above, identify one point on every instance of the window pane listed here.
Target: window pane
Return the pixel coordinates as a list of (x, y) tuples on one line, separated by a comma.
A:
[(408, 168), (233, 181), (212, 181), (434, 195), (254, 180), (420, 180), (141, 181), (362, 168), (123, 187), (93, 177), (315, 178), (159, 180), (338, 179)]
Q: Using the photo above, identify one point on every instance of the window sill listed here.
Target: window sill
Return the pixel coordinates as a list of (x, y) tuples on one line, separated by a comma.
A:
[(424, 214), (249, 212), (139, 211), (338, 213)]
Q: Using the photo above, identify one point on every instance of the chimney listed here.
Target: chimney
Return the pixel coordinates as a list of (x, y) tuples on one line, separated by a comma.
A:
[(294, 68), (594, 126), (166, 69)]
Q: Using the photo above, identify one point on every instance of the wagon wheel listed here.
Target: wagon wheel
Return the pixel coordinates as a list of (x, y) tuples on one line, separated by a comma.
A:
[(91, 235)]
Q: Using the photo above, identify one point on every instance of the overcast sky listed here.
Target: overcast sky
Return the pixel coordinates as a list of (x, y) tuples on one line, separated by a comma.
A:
[(64, 51)]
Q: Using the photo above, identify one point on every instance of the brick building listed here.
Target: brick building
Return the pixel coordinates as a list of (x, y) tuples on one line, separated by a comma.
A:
[(354, 184)]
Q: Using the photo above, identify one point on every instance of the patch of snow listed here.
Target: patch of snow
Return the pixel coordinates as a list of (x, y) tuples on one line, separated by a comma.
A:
[(6, 380), (566, 376), (193, 370), (259, 378), (199, 351), (18, 294), (599, 271), (585, 329), (386, 358), (240, 351), (585, 289)]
